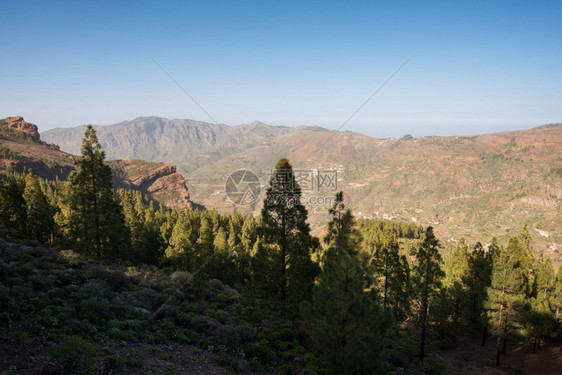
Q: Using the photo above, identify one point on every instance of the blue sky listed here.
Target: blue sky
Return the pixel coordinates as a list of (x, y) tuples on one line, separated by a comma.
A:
[(477, 66)]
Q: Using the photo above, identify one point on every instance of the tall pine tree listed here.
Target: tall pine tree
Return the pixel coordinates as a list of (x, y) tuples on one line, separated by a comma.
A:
[(284, 225), (39, 219), (507, 292), (477, 280), (92, 217), (347, 323), (456, 272), (427, 276)]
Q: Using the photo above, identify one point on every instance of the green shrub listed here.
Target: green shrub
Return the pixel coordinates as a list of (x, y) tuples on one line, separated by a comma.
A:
[(113, 365), (149, 338), (88, 310), (261, 352), (37, 328), (181, 278), (133, 362), (19, 335), (75, 355), (115, 280), (254, 365), (222, 316), (285, 369), (4, 318), (228, 363), (159, 337), (115, 333), (247, 333), (25, 258), (202, 343), (168, 325), (432, 366), (192, 307), (286, 334), (227, 335), (72, 258), (76, 327), (488, 362)]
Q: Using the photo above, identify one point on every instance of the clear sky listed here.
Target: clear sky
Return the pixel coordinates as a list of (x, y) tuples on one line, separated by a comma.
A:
[(477, 66)]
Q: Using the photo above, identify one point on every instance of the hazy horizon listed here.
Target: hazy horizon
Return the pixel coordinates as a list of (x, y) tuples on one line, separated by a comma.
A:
[(384, 133)]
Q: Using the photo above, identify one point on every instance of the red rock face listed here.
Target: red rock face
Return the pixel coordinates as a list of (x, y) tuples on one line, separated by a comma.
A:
[(19, 124)]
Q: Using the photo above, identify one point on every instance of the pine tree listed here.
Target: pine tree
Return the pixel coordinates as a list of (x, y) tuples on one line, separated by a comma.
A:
[(556, 299), (526, 258), (39, 219), (180, 251), (50, 189), (153, 241), (456, 271), (544, 278), (477, 280), (506, 295), (284, 225), (13, 215), (348, 324), (393, 271), (539, 319), (427, 274), (93, 218), (248, 237), (221, 265), (264, 270), (206, 238)]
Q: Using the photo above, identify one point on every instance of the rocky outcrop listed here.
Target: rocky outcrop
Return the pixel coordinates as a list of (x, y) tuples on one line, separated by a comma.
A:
[(160, 181), (166, 182), (17, 123)]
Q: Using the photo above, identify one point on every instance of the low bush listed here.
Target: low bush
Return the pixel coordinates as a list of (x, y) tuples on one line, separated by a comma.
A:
[(75, 356)]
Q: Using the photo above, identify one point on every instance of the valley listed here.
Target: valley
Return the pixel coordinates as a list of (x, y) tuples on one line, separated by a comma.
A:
[(475, 186)]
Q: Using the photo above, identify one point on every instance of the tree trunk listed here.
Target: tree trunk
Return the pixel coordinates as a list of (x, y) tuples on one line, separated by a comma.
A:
[(484, 336), (504, 345), (96, 214), (456, 316), (422, 344), (283, 291), (504, 337), (425, 307), (498, 350), (385, 281), (535, 345)]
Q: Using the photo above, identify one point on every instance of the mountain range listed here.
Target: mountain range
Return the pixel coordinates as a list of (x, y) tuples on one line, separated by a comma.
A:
[(477, 186)]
